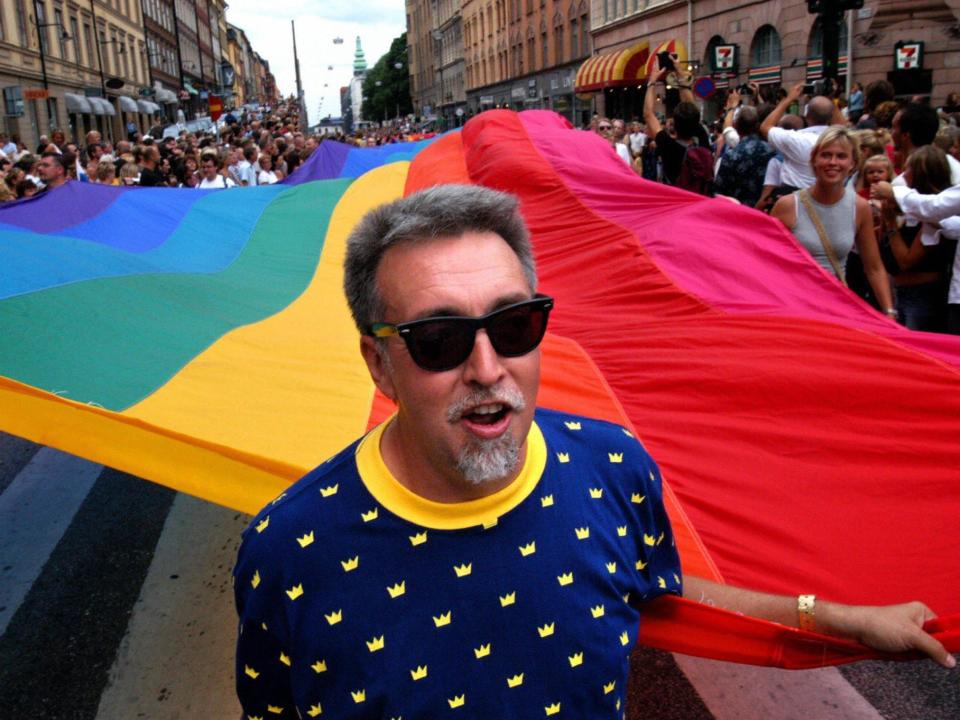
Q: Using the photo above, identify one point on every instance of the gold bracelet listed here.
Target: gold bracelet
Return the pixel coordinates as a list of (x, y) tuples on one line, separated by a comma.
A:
[(806, 611)]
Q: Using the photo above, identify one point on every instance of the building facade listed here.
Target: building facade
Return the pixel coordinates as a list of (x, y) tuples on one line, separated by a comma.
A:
[(422, 58), (447, 34)]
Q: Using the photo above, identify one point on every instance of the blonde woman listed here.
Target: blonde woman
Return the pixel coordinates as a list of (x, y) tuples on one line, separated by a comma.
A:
[(828, 218)]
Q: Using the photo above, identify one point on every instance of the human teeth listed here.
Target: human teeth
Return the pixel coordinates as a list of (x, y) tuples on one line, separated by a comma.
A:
[(487, 409)]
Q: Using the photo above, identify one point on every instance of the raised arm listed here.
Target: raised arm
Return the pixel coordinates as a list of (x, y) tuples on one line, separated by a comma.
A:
[(928, 208), (650, 99), (780, 110)]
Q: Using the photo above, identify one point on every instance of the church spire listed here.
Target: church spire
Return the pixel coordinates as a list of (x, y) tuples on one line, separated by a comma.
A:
[(359, 61)]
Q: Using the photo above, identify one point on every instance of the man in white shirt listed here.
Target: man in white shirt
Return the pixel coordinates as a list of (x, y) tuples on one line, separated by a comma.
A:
[(247, 168), (211, 179)]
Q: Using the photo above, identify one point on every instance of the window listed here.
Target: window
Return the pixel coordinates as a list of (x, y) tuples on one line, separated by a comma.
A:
[(584, 34), (558, 44), (75, 38), (22, 26), (103, 41), (12, 101), (41, 30), (88, 42), (765, 50), (574, 39), (815, 46), (531, 54), (544, 50), (61, 31)]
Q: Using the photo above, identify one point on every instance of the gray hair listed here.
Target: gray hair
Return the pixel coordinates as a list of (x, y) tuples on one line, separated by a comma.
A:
[(439, 212)]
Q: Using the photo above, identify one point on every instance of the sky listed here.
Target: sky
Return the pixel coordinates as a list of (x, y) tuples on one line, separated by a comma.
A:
[(318, 22)]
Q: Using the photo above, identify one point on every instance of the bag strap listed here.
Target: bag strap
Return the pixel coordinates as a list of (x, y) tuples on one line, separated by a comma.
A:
[(804, 196)]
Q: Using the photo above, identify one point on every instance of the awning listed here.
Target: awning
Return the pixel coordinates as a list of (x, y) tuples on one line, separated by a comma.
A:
[(815, 68), (768, 75), (77, 104), (128, 104), (148, 107), (102, 106), (190, 88), (619, 68), (163, 95)]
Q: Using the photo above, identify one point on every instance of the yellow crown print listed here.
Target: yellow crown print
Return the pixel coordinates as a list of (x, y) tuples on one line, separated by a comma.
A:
[(572, 425), (263, 524), (275, 709), (306, 539), (649, 540), (358, 696), (624, 638), (350, 563), (284, 658), (575, 660), (320, 666), (418, 539), (627, 432), (314, 710), (611, 567), (615, 457), (546, 630), (653, 478), (621, 530), (582, 533), (637, 498), (419, 673), (488, 524), (457, 701), (397, 590), (329, 491), (661, 583), (250, 672), (482, 651), (546, 501), (676, 578), (528, 549), (295, 592), (515, 681), (565, 579), (608, 687), (597, 612), (255, 580), (443, 619), (641, 564), (371, 515), (552, 709), (508, 599), (563, 457), (596, 493), (375, 644), (660, 538), (463, 570), (334, 617)]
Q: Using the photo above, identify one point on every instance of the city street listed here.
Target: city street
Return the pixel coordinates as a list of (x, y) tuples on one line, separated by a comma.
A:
[(116, 602)]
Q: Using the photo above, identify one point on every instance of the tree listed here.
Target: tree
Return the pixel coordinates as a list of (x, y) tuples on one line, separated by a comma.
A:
[(391, 97)]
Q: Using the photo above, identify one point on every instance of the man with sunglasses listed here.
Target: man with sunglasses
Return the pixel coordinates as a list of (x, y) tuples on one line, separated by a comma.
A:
[(473, 555)]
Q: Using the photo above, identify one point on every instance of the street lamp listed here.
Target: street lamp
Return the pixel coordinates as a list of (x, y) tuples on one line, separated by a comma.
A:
[(438, 50), (398, 66), (43, 53)]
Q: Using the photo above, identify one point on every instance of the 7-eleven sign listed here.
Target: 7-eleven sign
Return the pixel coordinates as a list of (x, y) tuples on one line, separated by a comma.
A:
[(725, 58), (909, 55)]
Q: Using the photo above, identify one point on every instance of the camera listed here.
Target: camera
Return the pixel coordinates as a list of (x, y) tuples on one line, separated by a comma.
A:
[(665, 61), (745, 90)]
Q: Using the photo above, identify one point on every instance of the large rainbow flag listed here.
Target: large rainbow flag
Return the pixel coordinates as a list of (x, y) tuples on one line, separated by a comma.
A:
[(200, 339)]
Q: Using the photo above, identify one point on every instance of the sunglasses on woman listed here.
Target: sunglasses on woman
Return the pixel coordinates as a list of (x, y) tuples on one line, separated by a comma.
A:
[(445, 342)]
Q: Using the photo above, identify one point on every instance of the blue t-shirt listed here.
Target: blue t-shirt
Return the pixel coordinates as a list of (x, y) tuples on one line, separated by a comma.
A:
[(359, 599)]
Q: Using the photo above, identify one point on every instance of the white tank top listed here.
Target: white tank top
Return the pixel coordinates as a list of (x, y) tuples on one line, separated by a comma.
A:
[(839, 221)]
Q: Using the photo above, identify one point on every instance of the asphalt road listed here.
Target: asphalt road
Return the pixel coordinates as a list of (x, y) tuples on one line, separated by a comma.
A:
[(116, 603)]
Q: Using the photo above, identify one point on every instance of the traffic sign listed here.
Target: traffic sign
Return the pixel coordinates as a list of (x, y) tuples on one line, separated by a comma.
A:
[(216, 107)]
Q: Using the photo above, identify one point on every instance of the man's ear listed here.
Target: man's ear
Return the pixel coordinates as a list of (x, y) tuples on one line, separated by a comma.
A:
[(378, 366)]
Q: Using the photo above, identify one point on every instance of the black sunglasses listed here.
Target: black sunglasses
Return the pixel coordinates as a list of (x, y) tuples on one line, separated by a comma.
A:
[(443, 343)]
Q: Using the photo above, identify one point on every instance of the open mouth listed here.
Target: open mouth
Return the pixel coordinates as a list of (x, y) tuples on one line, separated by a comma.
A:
[(487, 414)]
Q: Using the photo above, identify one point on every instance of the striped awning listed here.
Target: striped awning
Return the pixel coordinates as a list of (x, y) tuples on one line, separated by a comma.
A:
[(765, 75), (619, 68), (815, 67)]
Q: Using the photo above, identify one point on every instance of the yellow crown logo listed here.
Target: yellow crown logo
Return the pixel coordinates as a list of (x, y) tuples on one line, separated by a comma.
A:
[(419, 673), (397, 590), (660, 538), (255, 580), (285, 659), (565, 579), (546, 630), (275, 709), (358, 696), (515, 681), (295, 592), (596, 493), (615, 457), (661, 583), (575, 660), (641, 564), (329, 491), (278, 498), (546, 501), (563, 457), (264, 626), (320, 666), (552, 709), (334, 617), (350, 563), (418, 539), (375, 644), (443, 619), (306, 539), (263, 524), (463, 570), (314, 710), (624, 638), (487, 524), (653, 478), (508, 599), (676, 578), (637, 498), (649, 540), (457, 701), (622, 530), (528, 549), (627, 432), (608, 687), (611, 567), (572, 425), (371, 515), (626, 598), (482, 651), (250, 672), (597, 612), (582, 533)]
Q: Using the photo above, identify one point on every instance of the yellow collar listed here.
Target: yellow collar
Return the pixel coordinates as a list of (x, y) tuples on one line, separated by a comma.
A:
[(447, 516)]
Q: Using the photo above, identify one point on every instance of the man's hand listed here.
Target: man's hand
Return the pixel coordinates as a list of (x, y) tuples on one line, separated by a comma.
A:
[(733, 100), (794, 93), (881, 190)]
